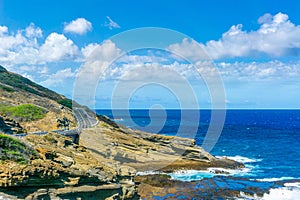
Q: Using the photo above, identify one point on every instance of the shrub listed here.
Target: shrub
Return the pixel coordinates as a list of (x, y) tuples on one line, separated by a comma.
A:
[(7, 89), (15, 150), (24, 112), (65, 102)]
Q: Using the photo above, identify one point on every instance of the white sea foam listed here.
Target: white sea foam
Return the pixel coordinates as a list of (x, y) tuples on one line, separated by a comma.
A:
[(118, 119), (296, 184), (276, 179), (230, 172), (241, 159), (194, 175), (244, 196), (191, 175), (147, 173), (290, 191)]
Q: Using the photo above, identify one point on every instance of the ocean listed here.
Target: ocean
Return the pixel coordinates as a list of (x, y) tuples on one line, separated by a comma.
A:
[(266, 141)]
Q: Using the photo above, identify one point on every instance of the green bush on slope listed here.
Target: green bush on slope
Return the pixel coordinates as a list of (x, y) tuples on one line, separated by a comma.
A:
[(24, 112), (65, 102), (15, 150)]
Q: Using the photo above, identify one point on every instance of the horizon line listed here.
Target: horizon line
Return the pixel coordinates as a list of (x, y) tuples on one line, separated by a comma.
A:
[(197, 109)]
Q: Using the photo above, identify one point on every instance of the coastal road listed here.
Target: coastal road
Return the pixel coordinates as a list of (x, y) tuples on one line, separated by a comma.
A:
[(83, 119)]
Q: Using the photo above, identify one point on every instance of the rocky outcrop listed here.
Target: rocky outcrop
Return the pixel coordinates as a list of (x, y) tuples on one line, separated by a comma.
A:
[(104, 163), (77, 192), (161, 186), (128, 151), (16, 90), (60, 163), (4, 128), (10, 126)]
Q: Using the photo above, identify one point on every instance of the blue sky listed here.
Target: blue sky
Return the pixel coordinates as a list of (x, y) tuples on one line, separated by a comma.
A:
[(255, 46)]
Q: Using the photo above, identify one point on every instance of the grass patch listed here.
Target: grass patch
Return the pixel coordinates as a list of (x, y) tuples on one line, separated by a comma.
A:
[(25, 112), (104, 125), (15, 150), (65, 102)]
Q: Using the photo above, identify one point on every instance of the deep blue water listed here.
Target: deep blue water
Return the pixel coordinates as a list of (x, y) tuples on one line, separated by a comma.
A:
[(267, 141)]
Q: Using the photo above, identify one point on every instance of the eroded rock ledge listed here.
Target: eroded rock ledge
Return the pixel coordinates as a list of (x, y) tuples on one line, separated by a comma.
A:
[(105, 162), (133, 150)]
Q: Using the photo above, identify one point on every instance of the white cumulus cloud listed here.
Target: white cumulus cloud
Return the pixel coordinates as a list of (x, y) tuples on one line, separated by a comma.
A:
[(79, 26), (25, 47), (107, 51), (59, 77), (3, 30), (277, 36), (58, 48), (33, 31), (260, 70), (97, 57), (20, 46), (189, 49)]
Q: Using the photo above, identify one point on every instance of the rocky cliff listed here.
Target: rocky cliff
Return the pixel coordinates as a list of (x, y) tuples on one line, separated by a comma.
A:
[(16, 90), (57, 163), (104, 163), (140, 151)]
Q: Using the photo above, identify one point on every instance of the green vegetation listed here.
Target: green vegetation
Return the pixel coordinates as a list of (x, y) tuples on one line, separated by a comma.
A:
[(65, 102), (25, 112), (7, 89), (15, 150), (104, 125)]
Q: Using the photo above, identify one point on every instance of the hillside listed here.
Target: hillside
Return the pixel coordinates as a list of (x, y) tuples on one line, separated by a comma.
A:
[(14, 82), (32, 106), (104, 163)]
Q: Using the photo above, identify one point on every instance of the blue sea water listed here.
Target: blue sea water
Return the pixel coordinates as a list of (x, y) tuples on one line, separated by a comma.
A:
[(267, 141)]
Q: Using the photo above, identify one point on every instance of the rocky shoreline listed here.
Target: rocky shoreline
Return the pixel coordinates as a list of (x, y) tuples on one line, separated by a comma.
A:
[(103, 165)]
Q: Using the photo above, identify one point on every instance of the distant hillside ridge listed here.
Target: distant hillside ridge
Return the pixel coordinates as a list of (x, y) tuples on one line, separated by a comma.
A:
[(19, 82), (26, 106)]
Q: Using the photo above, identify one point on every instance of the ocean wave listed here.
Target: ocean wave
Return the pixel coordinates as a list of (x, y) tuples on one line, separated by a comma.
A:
[(191, 175), (241, 159), (196, 175), (290, 191), (276, 179), (118, 119), (147, 173), (295, 184), (231, 172)]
